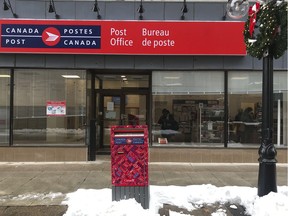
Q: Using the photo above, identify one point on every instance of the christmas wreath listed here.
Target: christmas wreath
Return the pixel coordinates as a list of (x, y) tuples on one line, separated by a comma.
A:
[(271, 22)]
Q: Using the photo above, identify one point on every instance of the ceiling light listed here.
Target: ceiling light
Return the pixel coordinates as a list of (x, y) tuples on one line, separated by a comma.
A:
[(173, 84), (4, 76), (255, 83), (171, 77), (239, 78), (71, 76)]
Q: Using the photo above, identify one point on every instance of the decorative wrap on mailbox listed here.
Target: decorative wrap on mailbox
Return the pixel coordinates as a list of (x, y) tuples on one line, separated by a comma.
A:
[(129, 155)]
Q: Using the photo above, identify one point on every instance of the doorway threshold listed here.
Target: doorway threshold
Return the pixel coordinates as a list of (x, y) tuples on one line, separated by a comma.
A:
[(103, 151)]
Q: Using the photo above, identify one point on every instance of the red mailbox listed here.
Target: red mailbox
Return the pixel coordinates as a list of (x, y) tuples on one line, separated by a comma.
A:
[(129, 163), (129, 155)]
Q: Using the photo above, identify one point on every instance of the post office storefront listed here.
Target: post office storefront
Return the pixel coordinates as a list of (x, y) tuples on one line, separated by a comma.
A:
[(59, 98)]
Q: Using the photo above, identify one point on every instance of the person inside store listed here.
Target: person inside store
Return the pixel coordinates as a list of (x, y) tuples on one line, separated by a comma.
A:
[(168, 124), (239, 125), (133, 119), (248, 117)]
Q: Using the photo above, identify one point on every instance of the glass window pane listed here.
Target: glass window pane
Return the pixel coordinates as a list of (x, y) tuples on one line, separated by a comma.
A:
[(135, 109), (113, 81), (245, 108), (245, 82), (179, 82), (245, 112), (34, 91), (188, 108), (4, 106), (280, 110), (280, 80)]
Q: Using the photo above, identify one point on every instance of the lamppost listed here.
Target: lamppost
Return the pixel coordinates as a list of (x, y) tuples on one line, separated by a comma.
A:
[(269, 42), (267, 151)]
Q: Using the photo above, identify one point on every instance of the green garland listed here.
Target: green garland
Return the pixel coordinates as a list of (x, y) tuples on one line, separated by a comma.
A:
[(272, 36)]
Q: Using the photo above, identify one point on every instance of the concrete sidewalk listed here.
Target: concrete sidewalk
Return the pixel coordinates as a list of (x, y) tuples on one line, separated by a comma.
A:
[(20, 181)]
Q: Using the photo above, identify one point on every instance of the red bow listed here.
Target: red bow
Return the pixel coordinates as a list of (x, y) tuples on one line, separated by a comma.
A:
[(253, 10)]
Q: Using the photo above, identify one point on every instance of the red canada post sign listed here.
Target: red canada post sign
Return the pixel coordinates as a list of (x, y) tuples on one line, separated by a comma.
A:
[(122, 37)]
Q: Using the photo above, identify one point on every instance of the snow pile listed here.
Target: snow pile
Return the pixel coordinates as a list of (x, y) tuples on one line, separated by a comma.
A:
[(90, 202)]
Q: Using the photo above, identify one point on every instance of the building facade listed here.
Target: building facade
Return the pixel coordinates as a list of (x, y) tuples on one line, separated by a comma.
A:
[(59, 106)]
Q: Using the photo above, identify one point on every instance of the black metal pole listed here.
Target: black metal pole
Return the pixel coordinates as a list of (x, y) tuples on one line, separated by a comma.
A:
[(226, 111), (92, 141), (11, 117), (92, 122), (267, 151)]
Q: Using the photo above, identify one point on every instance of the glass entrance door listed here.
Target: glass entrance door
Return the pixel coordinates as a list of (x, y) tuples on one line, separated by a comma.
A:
[(116, 99), (135, 110), (124, 109), (111, 116)]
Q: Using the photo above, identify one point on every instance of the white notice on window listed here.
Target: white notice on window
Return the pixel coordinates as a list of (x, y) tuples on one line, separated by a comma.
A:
[(210, 125), (110, 106), (110, 115)]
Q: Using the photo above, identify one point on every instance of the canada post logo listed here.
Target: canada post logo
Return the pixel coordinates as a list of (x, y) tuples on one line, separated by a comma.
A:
[(51, 36), (45, 36)]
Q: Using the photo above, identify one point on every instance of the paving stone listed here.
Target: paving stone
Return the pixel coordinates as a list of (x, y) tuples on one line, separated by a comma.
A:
[(205, 210), (50, 210), (20, 179)]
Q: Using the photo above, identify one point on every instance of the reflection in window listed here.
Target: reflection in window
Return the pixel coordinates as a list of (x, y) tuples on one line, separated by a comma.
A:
[(34, 91), (113, 81), (4, 106), (196, 101), (188, 108), (245, 111), (245, 108)]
